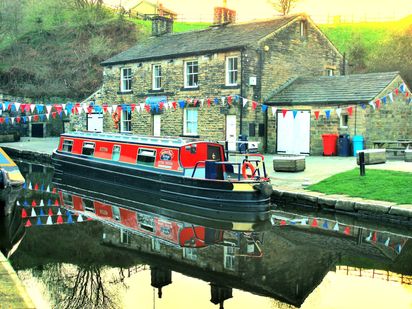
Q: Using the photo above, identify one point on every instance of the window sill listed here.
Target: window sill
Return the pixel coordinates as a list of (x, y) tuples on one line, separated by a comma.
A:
[(230, 86), (125, 92), (190, 88), (190, 135), (156, 90)]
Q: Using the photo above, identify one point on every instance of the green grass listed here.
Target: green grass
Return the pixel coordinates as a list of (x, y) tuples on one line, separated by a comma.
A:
[(378, 185), (146, 25)]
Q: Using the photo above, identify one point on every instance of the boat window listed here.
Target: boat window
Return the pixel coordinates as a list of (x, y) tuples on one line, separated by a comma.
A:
[(67, 145), (146, 156), (88, 149), (116, 213), (88, 205), (146, 222), (67, 199), (116, 153)]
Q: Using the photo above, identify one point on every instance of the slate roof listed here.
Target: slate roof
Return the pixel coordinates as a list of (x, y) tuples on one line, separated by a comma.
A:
[(334, 89), (229, 37)]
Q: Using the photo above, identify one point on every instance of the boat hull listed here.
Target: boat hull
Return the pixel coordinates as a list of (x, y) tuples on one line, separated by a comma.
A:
[(154, 189)]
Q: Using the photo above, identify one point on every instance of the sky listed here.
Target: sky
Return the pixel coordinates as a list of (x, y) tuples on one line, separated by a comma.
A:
[(319, 10)]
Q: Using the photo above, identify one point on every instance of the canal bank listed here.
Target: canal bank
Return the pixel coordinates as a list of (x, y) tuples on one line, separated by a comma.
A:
[(289, 187), (12, 292)]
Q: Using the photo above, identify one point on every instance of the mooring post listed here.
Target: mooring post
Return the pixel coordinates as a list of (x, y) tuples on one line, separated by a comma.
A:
[(362, 163)]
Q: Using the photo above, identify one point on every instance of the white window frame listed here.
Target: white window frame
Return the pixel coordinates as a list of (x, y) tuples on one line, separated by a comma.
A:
[(230, 71), (186, 121), (156, 77), (229, 258), (330, 72), (344, 121), (189, 77), (303, 27), (126, 121), (190, 253), (126, 79)]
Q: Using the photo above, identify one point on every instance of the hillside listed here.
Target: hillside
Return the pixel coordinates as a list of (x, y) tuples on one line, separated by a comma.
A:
[(63, 60)]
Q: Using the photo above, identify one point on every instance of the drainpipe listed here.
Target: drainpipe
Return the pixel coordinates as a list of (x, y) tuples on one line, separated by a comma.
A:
[(241, 92)]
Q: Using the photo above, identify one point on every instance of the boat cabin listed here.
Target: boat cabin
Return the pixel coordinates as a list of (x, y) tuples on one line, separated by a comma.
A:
[(189, 157)]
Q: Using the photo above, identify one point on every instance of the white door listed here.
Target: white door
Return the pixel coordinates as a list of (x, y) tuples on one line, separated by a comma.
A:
[(95, 122), (156, 125), (231, 132), (293, 133)]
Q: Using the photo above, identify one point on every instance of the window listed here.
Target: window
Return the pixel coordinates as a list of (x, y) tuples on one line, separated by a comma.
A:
[(116, 153), (190, 121), (231, 71), (344, 120), (116, 213), (190, 253), (126, 79), (88, 149), (88, 205), (126, 121), (330, 72), (68, 201), (303, 29), (146, 222), (157, 77), (229, 258), (67, 145), (146, 156), (191, 74), (155, 244), (124, 237)]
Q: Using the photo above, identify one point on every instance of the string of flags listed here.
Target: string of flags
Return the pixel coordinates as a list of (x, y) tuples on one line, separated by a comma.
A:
[(38, 187), (372, 237), (43, 112)]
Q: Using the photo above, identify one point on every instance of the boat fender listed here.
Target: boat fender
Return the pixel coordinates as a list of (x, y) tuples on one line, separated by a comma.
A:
[(245, 166), (116, 119), (264, 187)]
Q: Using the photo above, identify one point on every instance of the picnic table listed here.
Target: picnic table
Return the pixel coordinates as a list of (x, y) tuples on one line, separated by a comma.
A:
[(394, 146)]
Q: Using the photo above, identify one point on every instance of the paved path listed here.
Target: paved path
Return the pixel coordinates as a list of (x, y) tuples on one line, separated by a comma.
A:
[(12, 293)]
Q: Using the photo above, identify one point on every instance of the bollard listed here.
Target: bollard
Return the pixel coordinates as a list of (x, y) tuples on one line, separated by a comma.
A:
[(362, 163)]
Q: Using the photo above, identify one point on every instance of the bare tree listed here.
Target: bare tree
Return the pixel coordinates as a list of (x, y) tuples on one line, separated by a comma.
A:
[(283, 6)]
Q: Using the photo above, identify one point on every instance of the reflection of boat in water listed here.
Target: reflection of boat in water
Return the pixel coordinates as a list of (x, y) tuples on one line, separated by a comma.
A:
[(181, 175), (10, 174), (172, 229)]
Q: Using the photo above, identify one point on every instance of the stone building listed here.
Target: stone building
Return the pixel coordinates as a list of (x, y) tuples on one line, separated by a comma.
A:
[(214, 83)]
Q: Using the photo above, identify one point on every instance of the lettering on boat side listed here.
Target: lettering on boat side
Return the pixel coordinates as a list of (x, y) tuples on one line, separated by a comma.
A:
[(104, 149)]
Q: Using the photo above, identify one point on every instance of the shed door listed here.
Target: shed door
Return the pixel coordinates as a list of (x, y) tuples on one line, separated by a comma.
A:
[(231, 132), (95, 122), (293, 135)]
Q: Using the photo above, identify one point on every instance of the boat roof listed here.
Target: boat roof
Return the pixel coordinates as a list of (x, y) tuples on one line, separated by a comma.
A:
[(136, 139)]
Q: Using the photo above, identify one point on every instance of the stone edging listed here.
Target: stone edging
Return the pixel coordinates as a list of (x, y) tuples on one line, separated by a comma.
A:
[(342, 203), (28, 155)]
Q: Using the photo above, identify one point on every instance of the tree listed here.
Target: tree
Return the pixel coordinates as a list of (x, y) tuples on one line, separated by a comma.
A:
[(283, 6), (357, 54)]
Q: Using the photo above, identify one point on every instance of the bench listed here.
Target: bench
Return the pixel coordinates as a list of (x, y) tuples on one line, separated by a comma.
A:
[(289, 163), (372, 156), (395, 150)]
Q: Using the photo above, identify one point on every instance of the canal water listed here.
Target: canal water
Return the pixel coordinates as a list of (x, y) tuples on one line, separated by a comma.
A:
[(69, 258)]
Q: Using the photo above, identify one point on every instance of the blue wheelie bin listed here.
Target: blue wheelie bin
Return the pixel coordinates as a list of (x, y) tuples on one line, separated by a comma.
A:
[(357, 142)]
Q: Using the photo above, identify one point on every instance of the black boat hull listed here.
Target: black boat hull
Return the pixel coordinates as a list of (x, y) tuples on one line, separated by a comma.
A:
[(200, 197)]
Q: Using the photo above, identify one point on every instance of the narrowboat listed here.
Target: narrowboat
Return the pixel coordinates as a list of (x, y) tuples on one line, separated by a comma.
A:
[(9, 172), (175, 174)]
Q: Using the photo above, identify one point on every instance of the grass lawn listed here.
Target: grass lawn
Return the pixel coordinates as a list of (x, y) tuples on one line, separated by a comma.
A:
[(378, 185)]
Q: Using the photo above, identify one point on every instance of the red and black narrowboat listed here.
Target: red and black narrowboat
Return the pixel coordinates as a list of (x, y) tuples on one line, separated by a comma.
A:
[(156, 174)]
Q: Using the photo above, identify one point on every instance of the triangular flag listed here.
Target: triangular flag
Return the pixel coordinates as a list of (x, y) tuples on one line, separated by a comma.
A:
[(36, 187), (371, 103), (49, 202), (59, 213), (391, 97), (346, 231), (374, 237), (30, 187), (33, 203), (369, 237), (28, 223), (325, 224), (254, 105), (48, 189), (69, 218), (274, 109), (48, 108), (56, 203), (38, 221), (49, 220), (284, 111), (244, 101), (25, 203), (304, 222), (60, 220), (338, 112), (33, 213), (378, 103), (23, 213), (41, 212), (282, 222), (41, 203), (314, 223), (18, 203), (295, 112), (50, 213), (387, 241), (80, 218), (327, 113), (316, 115), (32, 107), (336, 227), (398, 249)]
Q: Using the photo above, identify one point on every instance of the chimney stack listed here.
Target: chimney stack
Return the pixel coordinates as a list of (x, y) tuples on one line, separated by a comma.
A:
[(161, 25), (223, 15)]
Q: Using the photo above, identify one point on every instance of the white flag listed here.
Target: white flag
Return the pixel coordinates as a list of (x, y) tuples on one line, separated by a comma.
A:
[(49, 220), (32, 107), (371, 103), (110, 109), (48, 108), (12, 120), (338, 112), (223, 100), (202, 101), (244, 102), (391, 97), (29, 118), (274, 110), (17, 105), (114, 107), (33, 213)]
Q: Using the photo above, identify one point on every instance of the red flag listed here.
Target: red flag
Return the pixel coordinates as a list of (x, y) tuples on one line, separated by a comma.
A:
[(28, 223), (23, 213), (54, 115), (314, 223), (90, 109), (194, 102), (58, 108), (374, 237), (36, 117), (59, 220), (50, 213), (133, 107), (36, 187), (18, 119), (282, 222), (346, 231), (33, 203), (350, 110), (254, 105), (23, 107), (174, 104), (209, 101), (105, 108), (161, 105), (56, 203), (54, 190), (407, 94), (396, 91), (1, 120), (147, 108), (229, 100), (284, 111), (378, 103)]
